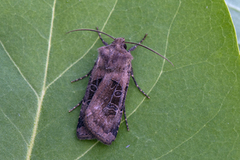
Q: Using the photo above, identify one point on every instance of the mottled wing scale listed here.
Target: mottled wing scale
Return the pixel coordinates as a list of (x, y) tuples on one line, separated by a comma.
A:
[(104, 113), (82, 131)]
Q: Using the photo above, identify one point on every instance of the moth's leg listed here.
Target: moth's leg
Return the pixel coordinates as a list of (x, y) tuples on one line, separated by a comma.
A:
[(124, 111), (125, 117), (137, 84), (75, 106), (82, 77), (105, 43), (134, 47)]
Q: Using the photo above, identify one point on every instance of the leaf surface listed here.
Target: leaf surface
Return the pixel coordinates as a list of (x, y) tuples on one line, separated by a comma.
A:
[(193, 112)]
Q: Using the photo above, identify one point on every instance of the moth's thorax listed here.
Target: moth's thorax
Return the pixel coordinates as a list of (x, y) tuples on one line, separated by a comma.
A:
[(114, 57)]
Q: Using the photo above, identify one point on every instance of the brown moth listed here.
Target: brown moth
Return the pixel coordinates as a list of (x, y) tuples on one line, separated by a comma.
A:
[(104, 100)]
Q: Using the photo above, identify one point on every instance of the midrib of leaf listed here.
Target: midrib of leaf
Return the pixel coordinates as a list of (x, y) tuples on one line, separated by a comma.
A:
[(40, 99), (44, 87)]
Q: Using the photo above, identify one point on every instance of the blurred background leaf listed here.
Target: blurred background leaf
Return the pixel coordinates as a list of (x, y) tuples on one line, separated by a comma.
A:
[(234, 8)]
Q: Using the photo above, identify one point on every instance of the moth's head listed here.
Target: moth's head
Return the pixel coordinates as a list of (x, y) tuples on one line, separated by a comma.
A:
[(119, 43)]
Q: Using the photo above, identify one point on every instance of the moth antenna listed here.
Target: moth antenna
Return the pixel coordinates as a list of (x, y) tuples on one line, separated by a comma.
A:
[(151, 50), (93, 30)]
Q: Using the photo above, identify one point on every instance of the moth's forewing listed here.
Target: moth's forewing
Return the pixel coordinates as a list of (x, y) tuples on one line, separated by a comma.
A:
[(103, 115), (93, 83)]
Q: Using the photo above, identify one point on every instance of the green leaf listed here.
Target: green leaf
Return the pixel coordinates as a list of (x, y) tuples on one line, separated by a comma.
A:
[(193, 112)]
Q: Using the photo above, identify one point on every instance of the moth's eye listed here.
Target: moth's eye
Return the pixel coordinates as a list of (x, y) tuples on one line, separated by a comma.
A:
[(125, 46)]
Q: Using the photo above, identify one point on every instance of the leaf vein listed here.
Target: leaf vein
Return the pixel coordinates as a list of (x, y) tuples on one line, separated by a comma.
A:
[(87, 151), (61, 74), (165, 52), (200, 129), (15, 127), (19, 70), (77, 61)]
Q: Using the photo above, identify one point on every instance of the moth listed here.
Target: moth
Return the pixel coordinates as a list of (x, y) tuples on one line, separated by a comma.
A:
[(104, 100)]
